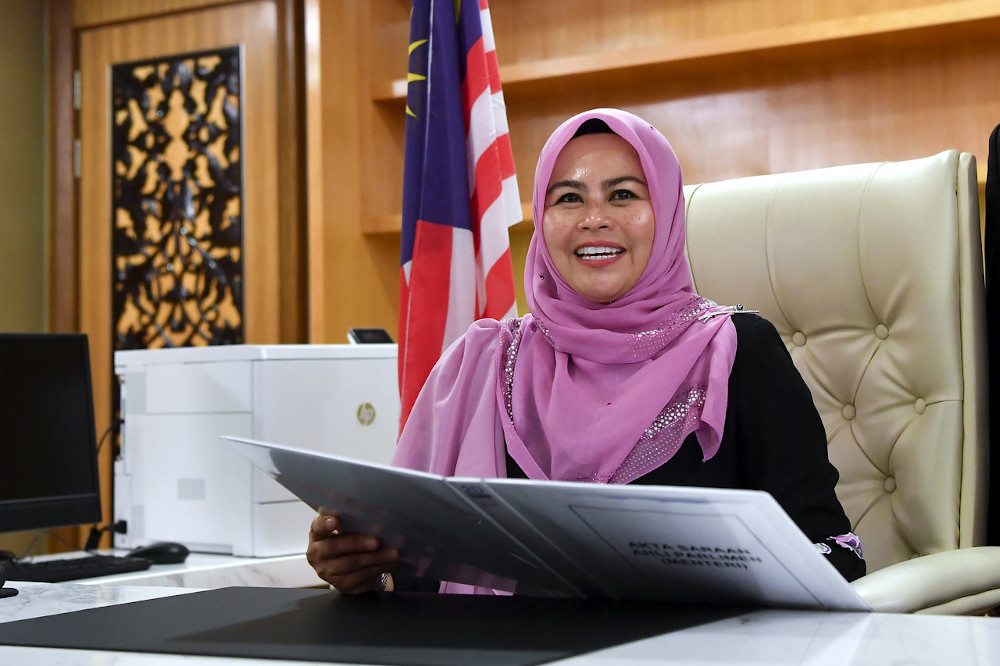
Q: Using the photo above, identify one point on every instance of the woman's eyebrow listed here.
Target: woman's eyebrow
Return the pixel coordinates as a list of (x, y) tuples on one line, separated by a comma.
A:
[(612, 182), (606, 185), (574, 184)]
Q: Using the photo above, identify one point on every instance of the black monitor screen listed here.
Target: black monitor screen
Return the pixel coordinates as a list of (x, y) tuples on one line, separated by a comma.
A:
[(48, 452)]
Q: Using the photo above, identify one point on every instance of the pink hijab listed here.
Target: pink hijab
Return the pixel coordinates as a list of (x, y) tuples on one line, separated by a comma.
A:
[(584, 391), (608, 392)]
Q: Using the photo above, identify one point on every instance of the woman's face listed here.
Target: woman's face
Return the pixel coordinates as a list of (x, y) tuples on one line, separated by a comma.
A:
[(598, 219)]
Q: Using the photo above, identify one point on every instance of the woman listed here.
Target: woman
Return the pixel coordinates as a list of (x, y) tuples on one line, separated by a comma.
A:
[(621, 373)]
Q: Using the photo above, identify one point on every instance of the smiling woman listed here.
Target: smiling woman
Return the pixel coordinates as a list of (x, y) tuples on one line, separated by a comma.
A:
[(622, 373)]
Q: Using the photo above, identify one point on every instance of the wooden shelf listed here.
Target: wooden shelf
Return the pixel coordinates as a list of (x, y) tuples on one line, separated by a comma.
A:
[(391, 224), (867, 35), (887, 33)]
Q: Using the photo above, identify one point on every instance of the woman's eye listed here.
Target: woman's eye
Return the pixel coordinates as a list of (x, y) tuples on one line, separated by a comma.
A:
[(569, 197), (622, 195)]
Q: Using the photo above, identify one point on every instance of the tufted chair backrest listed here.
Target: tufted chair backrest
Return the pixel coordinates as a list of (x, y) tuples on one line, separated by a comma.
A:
[(873, 275)]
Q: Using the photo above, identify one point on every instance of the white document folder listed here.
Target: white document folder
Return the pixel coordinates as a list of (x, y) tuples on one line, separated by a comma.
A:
[(672, 543)]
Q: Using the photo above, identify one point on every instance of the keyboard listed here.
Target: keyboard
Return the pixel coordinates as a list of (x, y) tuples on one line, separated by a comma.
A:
[(72, 568)]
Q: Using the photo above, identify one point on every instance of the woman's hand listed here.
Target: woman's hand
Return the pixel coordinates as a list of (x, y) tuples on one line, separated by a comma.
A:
[(352, 563)]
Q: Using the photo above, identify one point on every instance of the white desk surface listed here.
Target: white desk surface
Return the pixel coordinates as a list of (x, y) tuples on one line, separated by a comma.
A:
[(814, 638), (204, 570), (760, 637)]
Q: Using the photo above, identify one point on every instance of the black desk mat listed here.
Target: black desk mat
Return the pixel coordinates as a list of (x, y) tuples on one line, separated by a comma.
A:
[(387, 628)]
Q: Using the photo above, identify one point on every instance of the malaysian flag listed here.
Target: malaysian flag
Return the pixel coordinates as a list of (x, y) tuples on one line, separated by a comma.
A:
[(459, 189)]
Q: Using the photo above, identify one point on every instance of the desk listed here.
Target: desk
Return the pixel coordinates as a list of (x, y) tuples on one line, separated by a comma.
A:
[(203, 570), (813, 638), (41, 599), (756, 637)]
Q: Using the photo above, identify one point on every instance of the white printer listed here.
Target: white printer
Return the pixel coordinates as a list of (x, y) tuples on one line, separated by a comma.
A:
[(176, 480)]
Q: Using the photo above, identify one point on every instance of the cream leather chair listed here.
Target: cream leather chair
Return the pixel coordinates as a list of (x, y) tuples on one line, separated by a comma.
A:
[(873, 275)]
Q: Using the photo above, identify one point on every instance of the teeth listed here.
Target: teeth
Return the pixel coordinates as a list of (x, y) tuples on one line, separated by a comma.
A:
[(592, 252)]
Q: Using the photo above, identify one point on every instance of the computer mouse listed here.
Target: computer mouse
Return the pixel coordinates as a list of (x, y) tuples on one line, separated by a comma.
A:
[(162, 552)]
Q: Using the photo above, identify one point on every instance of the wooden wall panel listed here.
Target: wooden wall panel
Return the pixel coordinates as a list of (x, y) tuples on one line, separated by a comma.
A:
[(292, 138), (352, 173), (89, 13), (63, 304), (740, 87), (789, 119), (314, 150), (181, 33), (528, 31)]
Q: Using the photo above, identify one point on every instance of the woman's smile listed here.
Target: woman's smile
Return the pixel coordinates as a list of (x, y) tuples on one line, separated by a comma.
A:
[(595, 253)]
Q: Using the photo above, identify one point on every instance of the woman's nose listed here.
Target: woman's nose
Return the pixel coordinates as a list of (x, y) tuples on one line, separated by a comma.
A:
[(595, 217)]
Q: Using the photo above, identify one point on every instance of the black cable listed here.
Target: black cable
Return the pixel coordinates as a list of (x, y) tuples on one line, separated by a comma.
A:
[(94, 539), (115, 423), (27, 550)]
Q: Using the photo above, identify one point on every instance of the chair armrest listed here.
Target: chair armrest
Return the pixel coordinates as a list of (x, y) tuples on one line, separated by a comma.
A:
[(955, 582)]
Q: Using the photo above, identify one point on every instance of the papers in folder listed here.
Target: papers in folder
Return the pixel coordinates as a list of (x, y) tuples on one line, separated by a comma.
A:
[(679, 544)]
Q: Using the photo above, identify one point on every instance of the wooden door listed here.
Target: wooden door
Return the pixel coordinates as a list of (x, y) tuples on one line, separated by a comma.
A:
[(254, 28)]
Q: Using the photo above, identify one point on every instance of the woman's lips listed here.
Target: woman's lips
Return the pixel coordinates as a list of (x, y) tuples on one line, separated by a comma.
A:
[(598, 252)]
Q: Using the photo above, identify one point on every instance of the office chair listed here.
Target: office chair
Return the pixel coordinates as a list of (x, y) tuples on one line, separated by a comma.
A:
[(991, 252), (873, 275)]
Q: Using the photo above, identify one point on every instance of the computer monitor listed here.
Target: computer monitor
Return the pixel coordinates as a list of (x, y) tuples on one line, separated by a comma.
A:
[(48, 448)]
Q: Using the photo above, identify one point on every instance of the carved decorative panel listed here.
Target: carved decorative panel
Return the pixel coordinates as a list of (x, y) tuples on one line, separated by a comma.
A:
[(177, 208)]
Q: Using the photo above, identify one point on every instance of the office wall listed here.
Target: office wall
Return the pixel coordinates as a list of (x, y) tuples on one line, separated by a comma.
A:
[(740, 87), (22, 189), (22, 156)]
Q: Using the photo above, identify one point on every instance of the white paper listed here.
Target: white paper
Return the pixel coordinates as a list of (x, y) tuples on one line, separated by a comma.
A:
[(697, 545)]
